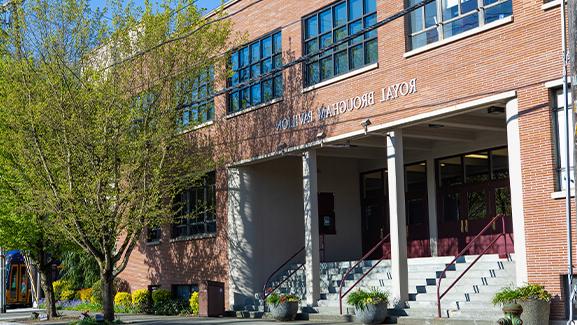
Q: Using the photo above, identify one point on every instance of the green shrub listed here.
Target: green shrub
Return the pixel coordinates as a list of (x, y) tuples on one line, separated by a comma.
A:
[(67, 294), (161, 295), (360, 298), (123, 299), (276, 299), (141, 300), (96, 293), (524, 293), (193, 302), (170, 307), (119, 285)]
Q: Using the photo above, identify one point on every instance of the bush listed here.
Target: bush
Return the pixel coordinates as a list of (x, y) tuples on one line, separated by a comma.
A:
[(59, 286), (67, 294), (194, 305), (96, 293), (524, 293), (119, 285), (123, 299), (360, 299), (141, 300), (161, 295), (85, 294), (170, 307)]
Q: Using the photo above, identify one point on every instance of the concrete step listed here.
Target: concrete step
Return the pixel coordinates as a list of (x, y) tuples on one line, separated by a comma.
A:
[(416, 320)]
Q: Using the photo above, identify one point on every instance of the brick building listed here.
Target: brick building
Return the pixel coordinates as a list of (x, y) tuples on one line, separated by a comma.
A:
[(418, 132)]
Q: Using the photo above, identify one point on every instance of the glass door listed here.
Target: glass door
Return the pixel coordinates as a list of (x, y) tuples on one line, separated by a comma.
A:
[(374, 213)]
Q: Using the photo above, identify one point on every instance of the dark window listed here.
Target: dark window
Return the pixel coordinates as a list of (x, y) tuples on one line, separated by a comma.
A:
[(471, 168), (333, 24), (249, 62), (446, 18), (183, 292), (196, 209), (195, 98), (416, 193), (153, 234)]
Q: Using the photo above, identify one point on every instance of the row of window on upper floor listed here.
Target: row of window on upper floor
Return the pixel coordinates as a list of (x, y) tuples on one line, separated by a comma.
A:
[(257, 67)]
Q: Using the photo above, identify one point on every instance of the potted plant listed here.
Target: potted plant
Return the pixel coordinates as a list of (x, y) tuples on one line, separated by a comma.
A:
[(283, 307), (370, 306), (532, 297)]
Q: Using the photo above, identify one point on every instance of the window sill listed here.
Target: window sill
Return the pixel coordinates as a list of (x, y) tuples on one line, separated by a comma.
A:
[(153, 243), (254, 108), (194, 237), (551, 5), (561, 194), (197, 127), (341, 77), (455, 38)]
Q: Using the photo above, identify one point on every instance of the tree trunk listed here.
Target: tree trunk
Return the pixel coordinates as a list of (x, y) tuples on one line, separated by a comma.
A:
[(45, 271), (107, 281)]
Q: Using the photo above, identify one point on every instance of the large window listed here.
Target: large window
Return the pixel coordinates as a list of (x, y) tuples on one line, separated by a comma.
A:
[(196, 209), (195, 98), (442, 19), (561, 142), (183, 292), (251, 62), (333, 24)]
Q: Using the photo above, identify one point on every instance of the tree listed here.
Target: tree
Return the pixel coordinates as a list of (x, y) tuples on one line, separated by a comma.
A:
[(90, 105)]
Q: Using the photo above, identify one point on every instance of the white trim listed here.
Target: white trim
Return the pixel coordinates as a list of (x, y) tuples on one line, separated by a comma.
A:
[(551, 4), (221, 7), (341, 77), (556, 83), (486, 27), (437, 114), (561, 194), (196, 127), (254, 108)]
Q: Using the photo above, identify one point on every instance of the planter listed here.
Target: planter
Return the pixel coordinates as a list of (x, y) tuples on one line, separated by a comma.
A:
[(285, 311), (535, 312), (372, 314)]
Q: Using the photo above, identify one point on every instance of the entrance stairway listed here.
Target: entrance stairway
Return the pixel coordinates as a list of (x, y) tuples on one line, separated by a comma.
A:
[(469, 299)]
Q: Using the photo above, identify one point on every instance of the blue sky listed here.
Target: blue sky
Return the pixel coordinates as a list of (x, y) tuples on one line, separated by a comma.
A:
[(208, 4)]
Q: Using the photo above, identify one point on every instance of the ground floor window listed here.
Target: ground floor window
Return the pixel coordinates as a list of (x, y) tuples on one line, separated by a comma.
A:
[(558, 111), (183, 291), (196, 209)]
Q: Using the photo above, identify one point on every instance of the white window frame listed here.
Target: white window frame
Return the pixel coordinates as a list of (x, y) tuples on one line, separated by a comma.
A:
[(558, 114)]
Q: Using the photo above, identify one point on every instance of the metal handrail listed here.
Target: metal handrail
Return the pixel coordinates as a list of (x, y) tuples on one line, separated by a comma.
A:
[(341, 295), (462, 253), (266, 291)]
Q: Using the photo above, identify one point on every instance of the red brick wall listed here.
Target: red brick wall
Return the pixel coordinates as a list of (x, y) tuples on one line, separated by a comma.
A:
[(519, 56)]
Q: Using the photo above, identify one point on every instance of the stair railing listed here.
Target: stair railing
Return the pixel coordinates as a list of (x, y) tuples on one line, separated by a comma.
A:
[(380, 244), (464, 251), (266, 290)]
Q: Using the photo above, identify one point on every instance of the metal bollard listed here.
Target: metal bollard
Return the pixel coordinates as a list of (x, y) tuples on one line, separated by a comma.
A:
[(512, 315)]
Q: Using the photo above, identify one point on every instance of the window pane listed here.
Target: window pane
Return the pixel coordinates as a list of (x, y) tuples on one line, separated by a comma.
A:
[(503, 201), (311, 27), (477, 167), (339, 34), (326, 19), (461, 25), (255, 94), (425, 38), (278, 86), (357, 57), (354, 28), (468, 5), (244, 98), (186, 118), (451, 171), (312, 46), (244, 75), (255, 52), (340, 14), (277, 42), (267, 90), (370, 21), (450, 207), (450, 9), (234, 61), (476, 205), (313, 73), (371, 51), (234, 99), (500, 161), (267, 65), (416, 177), (266, 47), (431, 14), (341, 62), (244, 59), (326, 40), (355, 9), (255, 70), (370, 6), (277, 61), (499, 11), (326, 68)]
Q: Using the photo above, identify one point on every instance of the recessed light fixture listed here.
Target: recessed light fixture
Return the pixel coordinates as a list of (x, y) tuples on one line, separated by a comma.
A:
[(496, 110), (477, 156), (436, 126)]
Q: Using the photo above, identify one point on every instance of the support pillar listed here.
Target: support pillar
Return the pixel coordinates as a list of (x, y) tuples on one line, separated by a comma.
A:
[(432, 206), (396, 178), (516, 183), (2, 281), (311, 220)]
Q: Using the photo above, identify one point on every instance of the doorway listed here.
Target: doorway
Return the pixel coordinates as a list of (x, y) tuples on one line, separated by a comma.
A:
[(375, 213)]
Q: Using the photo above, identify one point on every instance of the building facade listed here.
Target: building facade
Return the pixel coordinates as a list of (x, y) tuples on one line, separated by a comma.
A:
[(420, 131)]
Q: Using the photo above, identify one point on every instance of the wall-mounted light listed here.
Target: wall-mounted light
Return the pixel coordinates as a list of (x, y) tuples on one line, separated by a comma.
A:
[(282, 146), (365, 124), (321, 135)]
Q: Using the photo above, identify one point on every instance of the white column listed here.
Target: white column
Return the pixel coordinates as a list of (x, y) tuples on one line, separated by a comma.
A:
[(311, 219), (432, 205), (516, 182), (396, 177)]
